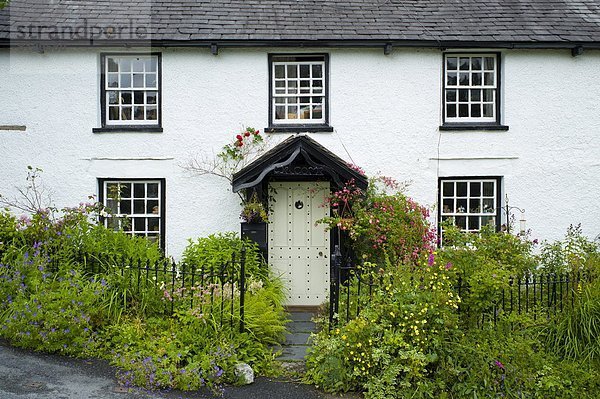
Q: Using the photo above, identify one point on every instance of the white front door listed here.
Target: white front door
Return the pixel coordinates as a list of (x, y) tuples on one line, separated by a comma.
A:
[(298, 246)]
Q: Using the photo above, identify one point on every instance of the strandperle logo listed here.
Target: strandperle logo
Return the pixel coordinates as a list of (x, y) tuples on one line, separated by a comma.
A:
[(82, 31)]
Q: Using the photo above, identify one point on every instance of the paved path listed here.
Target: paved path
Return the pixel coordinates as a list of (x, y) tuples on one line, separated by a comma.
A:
[(296, 342), (29, 375)]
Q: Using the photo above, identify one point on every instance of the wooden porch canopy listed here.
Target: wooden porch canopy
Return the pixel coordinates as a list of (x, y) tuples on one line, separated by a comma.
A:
[(299, 156)]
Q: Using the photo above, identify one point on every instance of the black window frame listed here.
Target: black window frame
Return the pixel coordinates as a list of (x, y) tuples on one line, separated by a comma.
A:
[(107, 127), (162, 199), (498, 210), (474, 125), (276, 127)]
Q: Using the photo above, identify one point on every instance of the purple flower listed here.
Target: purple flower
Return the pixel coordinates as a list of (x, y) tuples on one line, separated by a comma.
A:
[(499, 364), (448, 265), (431, 259)]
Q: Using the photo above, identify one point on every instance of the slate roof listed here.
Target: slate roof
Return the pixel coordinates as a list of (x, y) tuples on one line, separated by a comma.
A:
[(408, 22)]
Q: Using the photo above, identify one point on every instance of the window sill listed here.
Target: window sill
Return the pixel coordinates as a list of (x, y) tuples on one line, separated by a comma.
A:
[(127, 128), (472, 126), (299, 129)]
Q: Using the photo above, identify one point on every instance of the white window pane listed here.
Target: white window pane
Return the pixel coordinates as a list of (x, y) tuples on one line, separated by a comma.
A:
[(488, 110), (317, 112), (113, 66), (138, 113), (125, 65), (151, 97), (137, 65), (292, 71), (451, 63), (448, 206), (138, 97), (280, 71), (151, 113), (452, 79), (113, 97), (317, 71), (304, 71), (126, 113), (476, 63), (125, 207), (126, 97), (112, 80), (488, 189), (151, 64), (138, 80), (125, 80), (113, 113), (451, 111), (151, 80)]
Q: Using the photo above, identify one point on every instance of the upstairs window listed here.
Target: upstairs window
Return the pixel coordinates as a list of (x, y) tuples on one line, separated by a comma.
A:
[(135, 206), (299, 92), (471, 92), (131, 90), (470, 203)]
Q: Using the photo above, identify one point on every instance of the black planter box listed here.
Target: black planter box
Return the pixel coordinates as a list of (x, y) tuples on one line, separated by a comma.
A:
[(256, 232)]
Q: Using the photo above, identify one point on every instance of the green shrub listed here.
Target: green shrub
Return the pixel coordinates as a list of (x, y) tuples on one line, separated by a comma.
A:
[(511, 363), (575, 253), (483, 264), (383, 224), (392, 347), (576, 332), (217, 249), (53, 313)]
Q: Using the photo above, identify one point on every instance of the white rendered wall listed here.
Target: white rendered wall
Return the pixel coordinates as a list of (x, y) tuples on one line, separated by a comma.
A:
[(386, 112)]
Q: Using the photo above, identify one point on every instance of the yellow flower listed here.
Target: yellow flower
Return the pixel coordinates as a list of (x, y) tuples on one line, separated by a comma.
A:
[(344, 337)]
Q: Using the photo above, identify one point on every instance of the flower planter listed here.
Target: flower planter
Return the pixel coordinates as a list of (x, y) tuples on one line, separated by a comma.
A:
[(256, 232)]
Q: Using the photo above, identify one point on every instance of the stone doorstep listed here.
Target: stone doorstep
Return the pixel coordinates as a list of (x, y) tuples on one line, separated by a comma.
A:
[(301, 316), (301, 327), (300, 338), (293, 353)]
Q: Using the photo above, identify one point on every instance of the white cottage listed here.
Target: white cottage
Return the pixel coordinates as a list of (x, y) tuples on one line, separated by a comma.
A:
[(471, 102)]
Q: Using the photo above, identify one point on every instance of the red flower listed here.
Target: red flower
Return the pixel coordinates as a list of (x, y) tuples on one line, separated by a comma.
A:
[(247, 134), (239, 137), (257, 132)]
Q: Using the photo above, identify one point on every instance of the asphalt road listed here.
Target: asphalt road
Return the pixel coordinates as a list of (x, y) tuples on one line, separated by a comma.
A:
[(29, 375)]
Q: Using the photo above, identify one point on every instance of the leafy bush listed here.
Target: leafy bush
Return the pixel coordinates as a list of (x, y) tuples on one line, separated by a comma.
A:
[(575, 253), (483, 264), (511, 363), (51, 312), (391, 348), (215, 250), (382, 223)]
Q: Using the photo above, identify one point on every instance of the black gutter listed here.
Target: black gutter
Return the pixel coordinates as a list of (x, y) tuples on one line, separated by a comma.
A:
[(442, 44)]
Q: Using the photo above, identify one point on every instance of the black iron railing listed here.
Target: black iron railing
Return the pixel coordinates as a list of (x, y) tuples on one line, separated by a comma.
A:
[(538, 294), (215, 291)]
